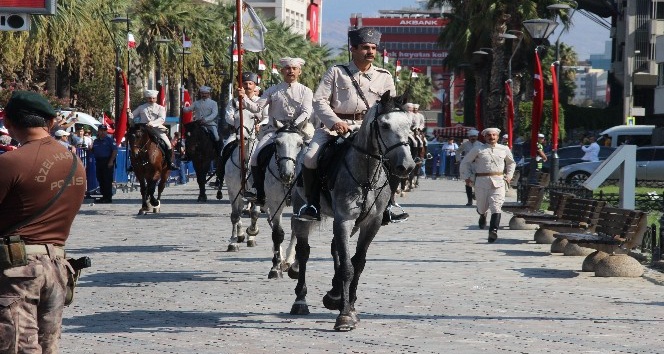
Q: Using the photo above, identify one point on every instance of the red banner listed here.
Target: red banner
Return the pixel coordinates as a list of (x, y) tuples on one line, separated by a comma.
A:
[(187, 117), (538, 102), (555, 125), (121, 123), (510, 112), (313, 15)]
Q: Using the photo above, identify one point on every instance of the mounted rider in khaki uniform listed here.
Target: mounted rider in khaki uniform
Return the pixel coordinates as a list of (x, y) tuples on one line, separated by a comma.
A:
[(153, 115)]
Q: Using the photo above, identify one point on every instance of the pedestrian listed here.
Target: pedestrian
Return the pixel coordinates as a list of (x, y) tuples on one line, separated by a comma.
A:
[(153, 115), (206, 110), (340, 107), (591, 151), (540, 156), (289, 102), (438, 163), (178, 157), (464, 149), (493, 167), (42, 186), (63, 138), (449, 150), (104, 151)]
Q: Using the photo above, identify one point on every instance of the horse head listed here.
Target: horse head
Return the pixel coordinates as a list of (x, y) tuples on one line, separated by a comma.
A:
[(288, 143), (391, 126)]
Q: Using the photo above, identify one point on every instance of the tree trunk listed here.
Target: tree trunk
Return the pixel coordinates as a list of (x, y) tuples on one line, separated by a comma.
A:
[(496, 105), (52, 75)]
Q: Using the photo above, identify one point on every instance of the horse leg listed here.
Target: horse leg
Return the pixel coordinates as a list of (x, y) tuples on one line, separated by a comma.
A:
[(277, 240), (200, 179), (219, 178), (144, 198), (332, 299), (302, 249), (342, 229), (154, 202), (290, 263), (359, 260), (252, 230), (236, 221)]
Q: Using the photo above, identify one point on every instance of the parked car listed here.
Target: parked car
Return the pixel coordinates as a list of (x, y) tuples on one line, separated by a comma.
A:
[(649, 166), (566, 156), (639, 135)]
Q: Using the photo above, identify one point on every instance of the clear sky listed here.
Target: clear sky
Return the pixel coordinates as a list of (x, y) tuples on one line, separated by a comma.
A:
[(585, 36)]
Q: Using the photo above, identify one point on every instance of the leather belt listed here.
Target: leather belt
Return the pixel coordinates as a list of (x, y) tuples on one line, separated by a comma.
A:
[(42, 249), (489, 174), (356, 116)]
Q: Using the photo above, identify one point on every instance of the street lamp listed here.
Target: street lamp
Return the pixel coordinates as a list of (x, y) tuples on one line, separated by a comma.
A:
[(539, 29), (118, 79), (468, 87), (482, 58), (510, 117), (555, 164), (160, 82)]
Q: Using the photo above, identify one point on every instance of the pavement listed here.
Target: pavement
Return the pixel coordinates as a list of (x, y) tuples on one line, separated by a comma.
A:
[(164, 283)]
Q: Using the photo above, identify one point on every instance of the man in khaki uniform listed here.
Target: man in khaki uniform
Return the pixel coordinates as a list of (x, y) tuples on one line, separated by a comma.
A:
[(464, 149), (340, 108), (494, 167)]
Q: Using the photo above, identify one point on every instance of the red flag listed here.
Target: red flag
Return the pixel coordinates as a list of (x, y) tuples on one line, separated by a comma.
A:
[(186, 42), (261, 65), (187, 117), (554, 119), (108, 122), (386, 59), (162, 96), (121, 126), (478, 112), (131, 42), (398, 66), (510, 112), (538, 102)]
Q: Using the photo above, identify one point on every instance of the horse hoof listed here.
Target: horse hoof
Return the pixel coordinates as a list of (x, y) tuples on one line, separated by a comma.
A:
[(251, 243), (293, 274), (299, 308), (354, 316), (240, 239), (331, 303), (252, 231), (233, 248), (202, 198), (284, 266), (141, 212), (155, 210), (275, 274), (220, 195), (344, 323)]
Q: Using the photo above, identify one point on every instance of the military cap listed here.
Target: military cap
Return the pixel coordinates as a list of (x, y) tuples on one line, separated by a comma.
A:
[(490, 130), (204, 89), (102, 127), (288, 61), (30, 102), (364, 35), (249, 76), (473, 132)]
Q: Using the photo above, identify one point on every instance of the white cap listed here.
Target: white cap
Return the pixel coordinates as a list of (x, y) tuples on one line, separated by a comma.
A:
[(540, 135), (490, 130), (204, 89), (61, 133), (150, 93), (288, 61), (416, 106), (473, 132), (505, 136), (4, 130)]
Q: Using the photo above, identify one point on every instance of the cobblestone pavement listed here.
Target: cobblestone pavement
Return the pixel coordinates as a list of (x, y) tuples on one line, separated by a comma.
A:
[(164, 283)]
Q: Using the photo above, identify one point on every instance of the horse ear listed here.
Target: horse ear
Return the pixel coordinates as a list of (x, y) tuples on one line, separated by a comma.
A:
[(385, 98), (403, 99)]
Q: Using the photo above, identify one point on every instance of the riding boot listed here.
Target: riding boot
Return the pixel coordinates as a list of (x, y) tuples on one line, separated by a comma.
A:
[(482, 222), (469, 195), (169, 162), (311, 210), (388, 215), (258, 197), (493, 227)]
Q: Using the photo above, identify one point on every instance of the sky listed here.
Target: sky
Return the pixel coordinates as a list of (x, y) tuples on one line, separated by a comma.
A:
[(585, 36)]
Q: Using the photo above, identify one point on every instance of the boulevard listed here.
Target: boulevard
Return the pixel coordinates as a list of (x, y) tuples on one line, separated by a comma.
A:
[(164, 283)]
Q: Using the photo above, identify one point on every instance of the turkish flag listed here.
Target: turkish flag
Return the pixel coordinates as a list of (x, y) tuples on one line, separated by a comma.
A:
[(108, 122), (510, 112), (538, 102), (187, 117), (121, 126)]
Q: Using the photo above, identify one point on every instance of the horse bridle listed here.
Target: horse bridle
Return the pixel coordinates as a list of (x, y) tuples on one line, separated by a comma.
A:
[(381, 142)]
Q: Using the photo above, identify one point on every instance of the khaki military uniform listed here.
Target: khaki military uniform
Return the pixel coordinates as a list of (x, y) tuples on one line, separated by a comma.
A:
[(417, 128), (492, 165), (153, 116), (336, 99), (206, 110), (287, 103), (250, 119)]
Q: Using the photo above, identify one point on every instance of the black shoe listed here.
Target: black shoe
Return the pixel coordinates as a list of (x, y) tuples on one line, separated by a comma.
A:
[(390, 217), (130, 168), (469, 203), (482, 222), (260, 200), (493, 235), (308, 213), (250, 196), (172, 167)]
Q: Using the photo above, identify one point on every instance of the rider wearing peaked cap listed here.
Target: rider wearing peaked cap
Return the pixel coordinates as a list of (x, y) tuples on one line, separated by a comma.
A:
[(339, 107)]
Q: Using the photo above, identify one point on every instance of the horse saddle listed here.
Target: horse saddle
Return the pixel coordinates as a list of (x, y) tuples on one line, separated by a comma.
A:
[(330, 160), (228, 151)]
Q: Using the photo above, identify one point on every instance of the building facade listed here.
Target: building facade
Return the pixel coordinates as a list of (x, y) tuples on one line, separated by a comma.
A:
[(304, 16)]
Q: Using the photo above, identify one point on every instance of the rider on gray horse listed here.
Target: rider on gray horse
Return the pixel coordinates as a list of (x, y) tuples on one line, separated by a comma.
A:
[(290, 102), (344, 95)]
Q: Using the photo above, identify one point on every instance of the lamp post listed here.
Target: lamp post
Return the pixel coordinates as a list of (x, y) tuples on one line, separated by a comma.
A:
[(539, 29), (116, 106), (483, 58), (160, 82), (510, 119), (555, 162)]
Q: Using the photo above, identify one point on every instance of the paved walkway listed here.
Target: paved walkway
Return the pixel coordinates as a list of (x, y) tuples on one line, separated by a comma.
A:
[(164, 284)]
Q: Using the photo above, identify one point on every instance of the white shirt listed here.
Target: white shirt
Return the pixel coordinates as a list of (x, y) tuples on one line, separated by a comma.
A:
[(591, 152)]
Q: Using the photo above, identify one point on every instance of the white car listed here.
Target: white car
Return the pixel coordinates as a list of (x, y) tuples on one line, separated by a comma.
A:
[(649, 166)]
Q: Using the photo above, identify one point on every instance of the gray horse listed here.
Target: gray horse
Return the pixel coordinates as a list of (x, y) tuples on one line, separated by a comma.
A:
[(279, 181), (234, 182), (360, 194)]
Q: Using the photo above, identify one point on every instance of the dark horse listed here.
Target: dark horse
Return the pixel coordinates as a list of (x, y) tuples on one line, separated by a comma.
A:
[(147, 159), (418, 151), (200, 149), (356, 202)]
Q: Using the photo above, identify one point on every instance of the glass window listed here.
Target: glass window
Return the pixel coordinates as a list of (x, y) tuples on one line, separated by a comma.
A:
[(644, 154), (659, 155)]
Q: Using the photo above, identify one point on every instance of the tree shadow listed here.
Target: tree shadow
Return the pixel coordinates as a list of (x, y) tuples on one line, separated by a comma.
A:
[(547, 273)]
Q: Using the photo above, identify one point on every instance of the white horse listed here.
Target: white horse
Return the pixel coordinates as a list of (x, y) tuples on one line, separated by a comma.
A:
[(279, 181), (360, 195), (234, 183)]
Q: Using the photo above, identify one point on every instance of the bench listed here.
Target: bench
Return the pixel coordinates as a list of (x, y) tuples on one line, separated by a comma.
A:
[(532, 201), (541, 179), (557, 201), (617, 232), (578, 215)]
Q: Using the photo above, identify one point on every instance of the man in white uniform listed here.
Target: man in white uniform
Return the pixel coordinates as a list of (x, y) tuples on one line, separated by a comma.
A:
[(153, 115), (493, 165), (206, 110), (464, 149)]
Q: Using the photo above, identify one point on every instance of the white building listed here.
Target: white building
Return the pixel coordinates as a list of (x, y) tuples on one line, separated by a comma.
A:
[(591, 85)]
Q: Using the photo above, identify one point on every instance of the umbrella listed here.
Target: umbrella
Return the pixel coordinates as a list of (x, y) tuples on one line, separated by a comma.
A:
[(83, 118)]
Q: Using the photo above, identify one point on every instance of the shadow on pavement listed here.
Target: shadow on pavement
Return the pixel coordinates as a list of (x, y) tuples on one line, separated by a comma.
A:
[(547, 273), (127, 248), (134, 279), (525, 253)]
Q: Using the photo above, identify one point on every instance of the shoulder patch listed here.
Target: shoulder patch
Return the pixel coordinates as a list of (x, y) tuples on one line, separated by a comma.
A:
[(385, 71)]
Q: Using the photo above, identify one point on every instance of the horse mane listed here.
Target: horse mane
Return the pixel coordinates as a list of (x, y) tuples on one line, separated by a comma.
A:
[(288, 128)]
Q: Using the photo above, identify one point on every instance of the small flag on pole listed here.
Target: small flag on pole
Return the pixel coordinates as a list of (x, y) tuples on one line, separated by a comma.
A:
[(385, 58), (235, 57), (131, 42), (253, 30), (274, 69), (261, 65), (414, 71), (186, 42), (398, 65)]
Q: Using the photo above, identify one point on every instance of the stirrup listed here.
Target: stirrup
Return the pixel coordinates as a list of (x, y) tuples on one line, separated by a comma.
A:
[(248, 196), (304, 217), (403, 216)]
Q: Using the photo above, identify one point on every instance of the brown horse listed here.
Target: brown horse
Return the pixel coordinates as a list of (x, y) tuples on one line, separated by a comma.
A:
[(201, 151), (147, 159)]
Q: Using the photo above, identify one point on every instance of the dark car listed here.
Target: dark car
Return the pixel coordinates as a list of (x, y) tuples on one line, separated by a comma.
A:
[(566, 156)]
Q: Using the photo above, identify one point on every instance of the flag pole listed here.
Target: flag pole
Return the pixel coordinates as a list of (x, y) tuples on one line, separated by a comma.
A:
[(238, 40)]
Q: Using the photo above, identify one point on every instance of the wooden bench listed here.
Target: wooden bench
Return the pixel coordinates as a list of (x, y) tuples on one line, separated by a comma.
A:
[(533, 201), (617, 232), (557, 201), (578, 215)]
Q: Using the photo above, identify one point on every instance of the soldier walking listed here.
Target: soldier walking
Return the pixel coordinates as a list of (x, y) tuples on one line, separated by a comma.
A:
[(464, 149)]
